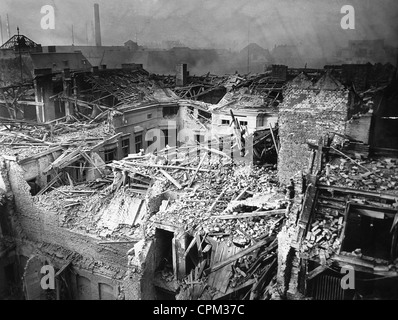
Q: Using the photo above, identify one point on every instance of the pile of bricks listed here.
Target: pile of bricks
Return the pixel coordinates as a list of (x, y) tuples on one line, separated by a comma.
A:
[(373, 175), (322, 239)]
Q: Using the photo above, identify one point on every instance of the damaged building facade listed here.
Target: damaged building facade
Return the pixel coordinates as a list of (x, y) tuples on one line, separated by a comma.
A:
[(133, 186)]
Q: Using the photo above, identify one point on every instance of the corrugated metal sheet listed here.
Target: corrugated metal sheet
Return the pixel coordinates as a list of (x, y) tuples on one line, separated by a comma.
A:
[(327, 287)]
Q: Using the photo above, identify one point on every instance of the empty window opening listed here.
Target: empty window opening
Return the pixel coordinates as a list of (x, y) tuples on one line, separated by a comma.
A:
[(199, 138), (105, 292), (225, 122), (164, 242), (204, 114), (83, 288), (170, 111), (110, 155), (30, 113), (5, 228), (369, 230), (34, 187), (138, 143), (125, 147), (166, 137)]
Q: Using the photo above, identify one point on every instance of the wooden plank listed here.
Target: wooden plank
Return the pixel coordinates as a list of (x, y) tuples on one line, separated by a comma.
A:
[(174, 257), (63, 268), (250, 214), (200, 267), (162, 166), (239, 255), (220, 153), (265, 278), (192, 243), (218, 199), (241, 194), (41, 154), (223, 296), (171, 179), (196, 171), (199, 245), (273, 139), (88, 158), (102, 143), (49, 184), (119, 242), (318, 270), (220, 279)]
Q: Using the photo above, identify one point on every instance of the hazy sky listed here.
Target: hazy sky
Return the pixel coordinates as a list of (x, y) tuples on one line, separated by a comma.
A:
[(230, 23)]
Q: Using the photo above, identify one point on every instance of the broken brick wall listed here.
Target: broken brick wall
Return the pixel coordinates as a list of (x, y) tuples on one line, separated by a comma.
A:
[(307, 115)]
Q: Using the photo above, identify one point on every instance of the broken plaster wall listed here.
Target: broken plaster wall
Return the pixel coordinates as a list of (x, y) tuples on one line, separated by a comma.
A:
[(38, 228), (138, 283), (307, 115), (288, 252), (34, 168)]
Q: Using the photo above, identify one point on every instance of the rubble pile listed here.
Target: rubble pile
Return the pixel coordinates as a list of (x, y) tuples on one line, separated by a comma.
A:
[(323, 238), (25, 139), (370, 174), (95, 212), (233, 214), (215, 202)]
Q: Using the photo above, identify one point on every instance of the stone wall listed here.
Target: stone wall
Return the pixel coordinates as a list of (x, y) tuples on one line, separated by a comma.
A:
[(305, 116)]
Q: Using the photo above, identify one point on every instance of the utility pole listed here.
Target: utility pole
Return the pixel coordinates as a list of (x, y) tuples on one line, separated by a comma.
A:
[(8, 27), (73, 37), (86, 34), (248, 47), (1, 30), (19, 50)]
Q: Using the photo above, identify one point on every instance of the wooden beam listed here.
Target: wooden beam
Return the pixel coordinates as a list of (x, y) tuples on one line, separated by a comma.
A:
[(273, 139), (250, 214), (217, 200), (119, 242), (318, 270), (240, 254), (257, 287), (233, 290), (171, 179), (159, 166), (63, 268), (196, 171)]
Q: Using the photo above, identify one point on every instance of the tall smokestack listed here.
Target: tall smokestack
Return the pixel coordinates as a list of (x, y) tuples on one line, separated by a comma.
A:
[(97, 25)]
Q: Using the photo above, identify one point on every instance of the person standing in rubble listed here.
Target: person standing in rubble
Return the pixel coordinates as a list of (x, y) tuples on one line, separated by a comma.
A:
[(290, 190), (290, 193)]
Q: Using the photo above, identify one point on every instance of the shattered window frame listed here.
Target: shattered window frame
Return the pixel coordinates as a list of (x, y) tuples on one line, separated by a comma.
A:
[(353, 209), (125, 146), (138, 142), (110, 155)]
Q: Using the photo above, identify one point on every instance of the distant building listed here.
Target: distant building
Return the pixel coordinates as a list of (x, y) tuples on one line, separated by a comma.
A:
[(288, 55), (254, 57), (364, 51), (131, 45)]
